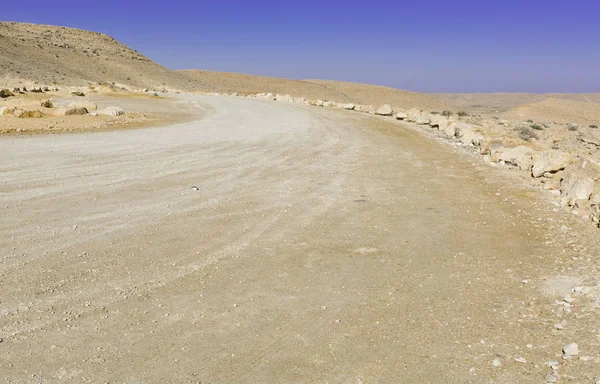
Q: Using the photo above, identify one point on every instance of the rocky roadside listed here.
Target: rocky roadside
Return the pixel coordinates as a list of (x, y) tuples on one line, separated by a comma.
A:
[(43, 109)]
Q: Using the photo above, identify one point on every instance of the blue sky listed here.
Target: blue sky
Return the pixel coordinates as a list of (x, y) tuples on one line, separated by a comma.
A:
[(420, 45)]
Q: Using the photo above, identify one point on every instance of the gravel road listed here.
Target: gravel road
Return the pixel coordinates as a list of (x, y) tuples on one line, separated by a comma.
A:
[(318, 246)]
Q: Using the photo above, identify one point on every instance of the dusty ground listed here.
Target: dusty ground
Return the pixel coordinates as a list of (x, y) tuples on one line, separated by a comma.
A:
[(320, 246), (138, 112)]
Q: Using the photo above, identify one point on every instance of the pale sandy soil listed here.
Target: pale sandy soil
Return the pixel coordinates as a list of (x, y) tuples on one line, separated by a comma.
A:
[(139, 112), (320, 246)]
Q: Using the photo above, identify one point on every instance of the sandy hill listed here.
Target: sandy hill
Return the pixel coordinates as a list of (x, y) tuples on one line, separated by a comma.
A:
[(342, 92), (502, 102), (564, 111), (68, 56), (377, 95)]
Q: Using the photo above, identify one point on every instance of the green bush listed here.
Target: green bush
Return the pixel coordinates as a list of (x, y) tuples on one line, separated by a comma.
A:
[(593, 126), (447, 113), (462, 113), (537, 127), (526, 133)]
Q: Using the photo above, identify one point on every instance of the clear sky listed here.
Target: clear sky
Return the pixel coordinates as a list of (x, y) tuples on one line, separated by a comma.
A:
[(420, 45)]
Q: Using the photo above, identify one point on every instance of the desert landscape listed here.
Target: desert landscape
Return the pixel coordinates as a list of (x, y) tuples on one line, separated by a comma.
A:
[(194, 226)]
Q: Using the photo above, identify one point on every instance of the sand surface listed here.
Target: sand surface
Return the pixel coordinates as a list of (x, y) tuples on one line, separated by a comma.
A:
[(319, 246)]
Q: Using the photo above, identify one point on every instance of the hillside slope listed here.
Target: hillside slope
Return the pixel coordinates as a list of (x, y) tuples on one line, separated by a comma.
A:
[(342, 92), (68, 56), (564, 111)]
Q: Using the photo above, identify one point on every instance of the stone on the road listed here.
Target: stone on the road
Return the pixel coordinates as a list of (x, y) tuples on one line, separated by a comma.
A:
[(571, 349)]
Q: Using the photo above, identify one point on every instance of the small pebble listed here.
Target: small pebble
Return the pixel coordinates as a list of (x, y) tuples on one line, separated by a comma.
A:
[(571, 349), (194, 188), (568, 299), (496, 362), (559, 326), (520, 359), (551, 377)]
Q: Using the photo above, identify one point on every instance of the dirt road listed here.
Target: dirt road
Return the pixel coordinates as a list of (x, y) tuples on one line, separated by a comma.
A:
[(319, 246)]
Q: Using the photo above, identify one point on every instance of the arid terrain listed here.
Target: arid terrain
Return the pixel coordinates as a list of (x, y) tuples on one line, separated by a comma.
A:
[(262, 230)]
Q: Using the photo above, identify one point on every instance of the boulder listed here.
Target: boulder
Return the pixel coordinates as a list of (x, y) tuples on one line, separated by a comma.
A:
[(550, 162), (76, 111), (2, 109), (4, 93), (401, 116), (316, 103), (47, 104), (83, 104), (595, 203), (595, 196), (23, 114), (477, 139), (579, 179), (348, 106), (329, 104), (112, 111), (450, 130), (441, 122), (365, 108), (520, 156), (464, 132), (413, 114), (590, 139), (285, 98), (467, 136), (494, 149), (423, 120), (36, 90), (385, 110), (299, 100)]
